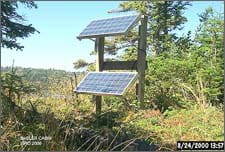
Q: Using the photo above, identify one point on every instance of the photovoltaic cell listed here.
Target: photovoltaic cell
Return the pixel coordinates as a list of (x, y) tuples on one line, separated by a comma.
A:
[(107, 27), (106, 83)]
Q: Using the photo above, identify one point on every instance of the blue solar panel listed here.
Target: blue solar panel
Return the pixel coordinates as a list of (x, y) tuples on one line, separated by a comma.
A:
[(107, 27), (106, 83)]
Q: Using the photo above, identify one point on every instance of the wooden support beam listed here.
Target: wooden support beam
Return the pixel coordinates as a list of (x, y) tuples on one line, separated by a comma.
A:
[(99, 48), (141, 66), (121, 65), (98, 106)]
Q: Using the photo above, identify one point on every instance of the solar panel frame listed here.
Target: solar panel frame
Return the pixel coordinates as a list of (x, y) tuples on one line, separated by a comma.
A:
[(125, 89), (125, 32)]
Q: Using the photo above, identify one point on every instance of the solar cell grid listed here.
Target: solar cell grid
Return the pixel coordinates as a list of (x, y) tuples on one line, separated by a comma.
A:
[(111, 26), (106, 83)]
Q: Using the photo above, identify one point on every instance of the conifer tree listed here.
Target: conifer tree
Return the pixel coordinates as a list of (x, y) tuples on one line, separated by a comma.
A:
[(164, 17), (12, 24)]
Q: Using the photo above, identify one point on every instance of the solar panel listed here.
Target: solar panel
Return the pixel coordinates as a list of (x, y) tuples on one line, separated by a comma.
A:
[(109, 27), (106, 83)]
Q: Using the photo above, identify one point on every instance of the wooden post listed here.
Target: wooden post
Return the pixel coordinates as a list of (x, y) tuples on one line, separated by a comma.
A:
[(141, 59), (99, 46)]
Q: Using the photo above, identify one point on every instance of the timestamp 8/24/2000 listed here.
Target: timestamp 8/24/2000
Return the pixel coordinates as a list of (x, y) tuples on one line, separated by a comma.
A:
[(200, 145)]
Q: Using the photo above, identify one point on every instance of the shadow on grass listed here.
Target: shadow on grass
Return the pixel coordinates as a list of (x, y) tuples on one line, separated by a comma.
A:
[(103, 132)]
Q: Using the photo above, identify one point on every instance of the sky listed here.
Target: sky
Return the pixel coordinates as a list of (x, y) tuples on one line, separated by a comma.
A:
[(60, 22)]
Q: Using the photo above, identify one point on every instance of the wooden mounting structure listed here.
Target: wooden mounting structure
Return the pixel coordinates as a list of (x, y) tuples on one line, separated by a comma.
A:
[(140, 64), (99, 48)]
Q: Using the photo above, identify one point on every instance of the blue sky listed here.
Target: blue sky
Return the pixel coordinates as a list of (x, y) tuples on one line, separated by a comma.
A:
[(60, 22)]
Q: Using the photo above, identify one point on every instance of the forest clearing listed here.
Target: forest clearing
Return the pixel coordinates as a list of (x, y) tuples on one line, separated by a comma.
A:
[(183, 97)]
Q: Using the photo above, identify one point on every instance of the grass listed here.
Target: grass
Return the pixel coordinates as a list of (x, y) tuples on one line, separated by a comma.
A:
[(183, 124), (72, 124)]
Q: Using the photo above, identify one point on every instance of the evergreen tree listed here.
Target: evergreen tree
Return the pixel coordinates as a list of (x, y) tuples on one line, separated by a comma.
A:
[(208, 55), (12, 26), (164, 17), (209, 36), (80, 63)]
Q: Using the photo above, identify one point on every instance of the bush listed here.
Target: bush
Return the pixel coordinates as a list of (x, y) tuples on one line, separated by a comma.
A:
[(184, 124)]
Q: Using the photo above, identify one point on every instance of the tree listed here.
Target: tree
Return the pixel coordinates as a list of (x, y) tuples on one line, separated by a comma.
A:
[(194, 74), (209, 55), (209, 36), (80, 63), (12, 26), (14, 87), (164, 17)]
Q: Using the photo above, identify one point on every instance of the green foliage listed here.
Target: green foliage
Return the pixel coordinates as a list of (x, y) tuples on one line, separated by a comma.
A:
[(183, 92), (162, 82), (130, 54), (12, 25), (190, 73), (14, 87), (208, 56), (174, 125), (80, 64), (164, 17)]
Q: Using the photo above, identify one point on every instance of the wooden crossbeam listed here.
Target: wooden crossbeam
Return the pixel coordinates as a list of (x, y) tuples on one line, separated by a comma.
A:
[(121, 65)]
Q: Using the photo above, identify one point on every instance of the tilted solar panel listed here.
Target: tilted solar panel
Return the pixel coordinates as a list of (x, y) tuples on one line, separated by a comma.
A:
[(109, 27), (106, 83)]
